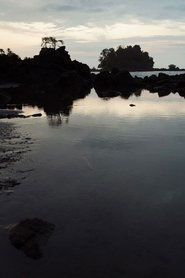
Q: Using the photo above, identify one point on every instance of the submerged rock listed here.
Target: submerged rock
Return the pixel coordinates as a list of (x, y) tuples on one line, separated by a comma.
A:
[(29, 235)]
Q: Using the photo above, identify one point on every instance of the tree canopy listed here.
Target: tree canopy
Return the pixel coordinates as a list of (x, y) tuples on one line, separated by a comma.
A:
[(51, 42), (173, 67), (129, 58)]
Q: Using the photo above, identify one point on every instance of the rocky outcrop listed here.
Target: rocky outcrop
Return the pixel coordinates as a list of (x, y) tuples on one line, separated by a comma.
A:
[(52, 72), (114, 83), (165, 84)]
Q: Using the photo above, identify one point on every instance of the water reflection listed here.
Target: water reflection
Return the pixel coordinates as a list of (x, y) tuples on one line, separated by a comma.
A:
[(112, 182), (159, 104), (147, 104), (57, 120)]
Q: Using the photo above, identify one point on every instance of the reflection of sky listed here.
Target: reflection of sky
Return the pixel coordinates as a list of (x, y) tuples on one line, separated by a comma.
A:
[(148, 104)]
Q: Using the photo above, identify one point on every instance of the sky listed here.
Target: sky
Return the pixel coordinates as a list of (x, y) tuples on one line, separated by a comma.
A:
[(88, 26)]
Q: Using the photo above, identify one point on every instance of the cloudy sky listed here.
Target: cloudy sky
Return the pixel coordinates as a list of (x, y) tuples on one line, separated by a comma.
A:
[(88, 26)]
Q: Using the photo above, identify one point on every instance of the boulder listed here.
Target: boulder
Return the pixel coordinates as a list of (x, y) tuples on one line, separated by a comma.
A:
[(123, 80), (104, 82), (29, 234)]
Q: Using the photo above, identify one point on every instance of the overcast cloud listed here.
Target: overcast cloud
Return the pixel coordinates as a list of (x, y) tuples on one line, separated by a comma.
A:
[(88, 26)]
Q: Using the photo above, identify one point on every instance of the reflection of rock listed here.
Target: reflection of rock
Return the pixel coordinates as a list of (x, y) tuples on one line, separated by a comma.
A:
[(55, 120), (28, 235)]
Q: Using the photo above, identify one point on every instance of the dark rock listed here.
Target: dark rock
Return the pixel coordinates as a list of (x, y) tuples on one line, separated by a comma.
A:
[(108, 94), (115, 71), (132, 105), (82, 69), (115, 83), (181, 84), (163, 76), (37, 115), (28, 236), (4, 98), (104, 82), (123, 80)]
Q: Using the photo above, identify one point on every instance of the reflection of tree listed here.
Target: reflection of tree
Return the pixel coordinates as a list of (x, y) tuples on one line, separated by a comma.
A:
[(57, 120), (138, 93), (58, 111)]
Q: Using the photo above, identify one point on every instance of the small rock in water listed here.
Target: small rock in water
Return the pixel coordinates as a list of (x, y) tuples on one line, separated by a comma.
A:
[(37, 115), (132, 105), (29, 234)]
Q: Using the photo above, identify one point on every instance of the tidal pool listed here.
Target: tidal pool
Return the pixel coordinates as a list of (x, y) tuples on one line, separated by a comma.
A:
[(110, 177)]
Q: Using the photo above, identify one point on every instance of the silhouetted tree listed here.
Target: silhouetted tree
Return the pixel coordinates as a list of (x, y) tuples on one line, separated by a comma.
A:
[(173, 67), (51, 42), (2, 51), (130, 58)]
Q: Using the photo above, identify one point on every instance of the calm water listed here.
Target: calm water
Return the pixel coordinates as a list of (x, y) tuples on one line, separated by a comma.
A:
[(111, 178)]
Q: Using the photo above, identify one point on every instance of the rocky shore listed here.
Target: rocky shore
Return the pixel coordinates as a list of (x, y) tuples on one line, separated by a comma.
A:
[(110, 84), (52, 81)]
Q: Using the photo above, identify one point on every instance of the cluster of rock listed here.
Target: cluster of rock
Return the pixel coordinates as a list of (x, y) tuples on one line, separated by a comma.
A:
[(52, 78), (110, 84), (164, 83)]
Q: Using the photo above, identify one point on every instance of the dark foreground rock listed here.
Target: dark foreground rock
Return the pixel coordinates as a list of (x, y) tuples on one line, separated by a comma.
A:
[(29, 235), (109, 84)]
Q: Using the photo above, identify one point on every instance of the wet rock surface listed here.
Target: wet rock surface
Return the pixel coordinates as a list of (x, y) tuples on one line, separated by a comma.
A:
[(30, 235)]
